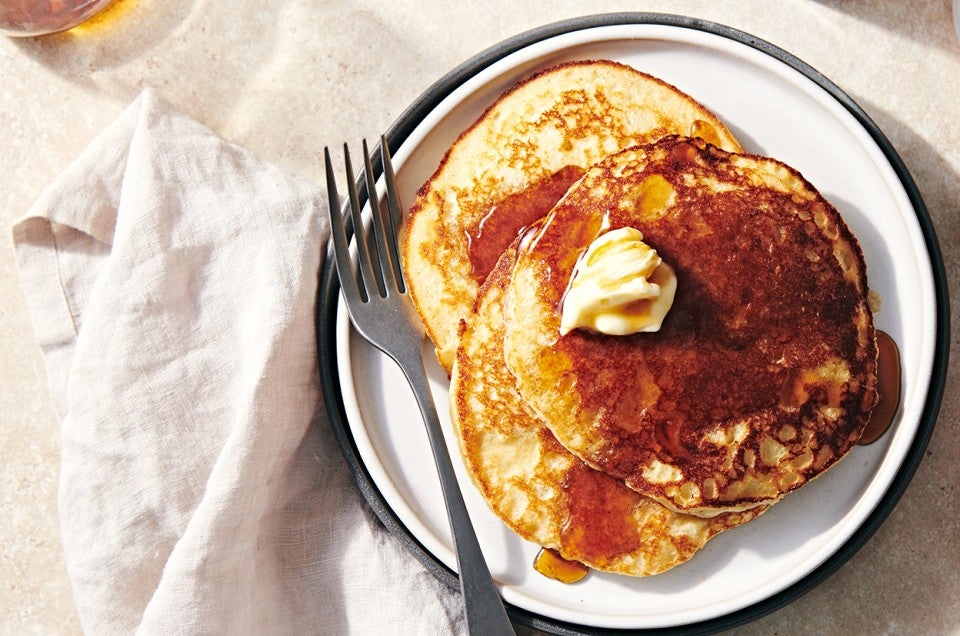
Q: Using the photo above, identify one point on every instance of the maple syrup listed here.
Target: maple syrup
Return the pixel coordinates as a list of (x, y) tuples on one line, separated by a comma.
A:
[(600, 526), (549, 563), (507, 218), (888, 390)]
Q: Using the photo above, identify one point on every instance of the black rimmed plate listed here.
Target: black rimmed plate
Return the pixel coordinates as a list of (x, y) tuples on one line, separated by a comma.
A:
[(777, 106)]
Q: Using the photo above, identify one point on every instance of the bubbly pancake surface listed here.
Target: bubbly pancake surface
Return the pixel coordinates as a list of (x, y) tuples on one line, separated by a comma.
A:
[(540, 490), (763, 373), (516, 161)]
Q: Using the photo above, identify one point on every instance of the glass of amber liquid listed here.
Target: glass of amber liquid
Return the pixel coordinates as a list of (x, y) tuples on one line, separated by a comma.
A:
[(39, 17)]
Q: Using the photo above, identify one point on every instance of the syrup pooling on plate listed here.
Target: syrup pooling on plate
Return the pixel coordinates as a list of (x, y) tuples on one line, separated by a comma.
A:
[(550, 564), (888, 389)]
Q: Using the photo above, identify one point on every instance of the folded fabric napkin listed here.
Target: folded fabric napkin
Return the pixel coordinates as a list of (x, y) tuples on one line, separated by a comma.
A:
[(171, 278)]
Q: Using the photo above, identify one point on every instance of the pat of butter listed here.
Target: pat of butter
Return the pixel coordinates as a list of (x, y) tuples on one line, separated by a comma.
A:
[(620, 286)]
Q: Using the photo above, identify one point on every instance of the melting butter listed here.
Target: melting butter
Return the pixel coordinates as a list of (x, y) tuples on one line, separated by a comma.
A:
[(620, 286)]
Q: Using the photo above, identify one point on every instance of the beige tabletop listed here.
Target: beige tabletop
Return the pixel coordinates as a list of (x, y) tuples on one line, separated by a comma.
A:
[(285, 77)]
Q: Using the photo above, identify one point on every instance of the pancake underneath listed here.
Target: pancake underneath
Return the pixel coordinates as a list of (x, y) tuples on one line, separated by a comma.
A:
[(763, 373)]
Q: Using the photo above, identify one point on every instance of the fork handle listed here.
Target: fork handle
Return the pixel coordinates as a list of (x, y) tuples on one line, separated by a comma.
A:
[(484, 610)]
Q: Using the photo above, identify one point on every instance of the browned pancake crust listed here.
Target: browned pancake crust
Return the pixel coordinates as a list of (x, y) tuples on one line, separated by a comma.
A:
[(541, 491), (764, 371)]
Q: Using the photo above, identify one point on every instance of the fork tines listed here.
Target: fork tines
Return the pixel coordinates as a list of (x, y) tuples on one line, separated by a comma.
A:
[(387, 278)]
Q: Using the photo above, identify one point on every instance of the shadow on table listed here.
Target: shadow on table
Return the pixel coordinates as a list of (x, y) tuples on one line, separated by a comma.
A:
[(910, 19)]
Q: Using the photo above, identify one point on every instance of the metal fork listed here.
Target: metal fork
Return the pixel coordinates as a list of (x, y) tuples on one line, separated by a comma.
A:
[(381, 312)]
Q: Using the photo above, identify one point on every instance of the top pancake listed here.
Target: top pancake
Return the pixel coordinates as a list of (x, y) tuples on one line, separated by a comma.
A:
[(763, 373), (515, 162), (540, 490)]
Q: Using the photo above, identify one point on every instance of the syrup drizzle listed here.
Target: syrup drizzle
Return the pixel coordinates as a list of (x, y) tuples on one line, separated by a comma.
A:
[(506, 219)]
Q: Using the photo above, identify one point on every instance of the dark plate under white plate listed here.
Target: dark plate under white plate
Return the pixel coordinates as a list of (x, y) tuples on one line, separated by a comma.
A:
[(777, 106)]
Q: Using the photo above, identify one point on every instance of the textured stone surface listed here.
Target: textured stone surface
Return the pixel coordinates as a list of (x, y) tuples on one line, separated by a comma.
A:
[(283, 78)]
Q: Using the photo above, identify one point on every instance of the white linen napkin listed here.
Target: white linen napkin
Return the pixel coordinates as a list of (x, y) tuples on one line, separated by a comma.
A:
[(171, 278)]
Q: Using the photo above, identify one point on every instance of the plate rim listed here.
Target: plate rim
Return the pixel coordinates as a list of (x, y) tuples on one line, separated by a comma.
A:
[(402, 128)]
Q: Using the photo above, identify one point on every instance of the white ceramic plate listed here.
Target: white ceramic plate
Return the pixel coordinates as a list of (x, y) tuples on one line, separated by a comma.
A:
[(774, 109)]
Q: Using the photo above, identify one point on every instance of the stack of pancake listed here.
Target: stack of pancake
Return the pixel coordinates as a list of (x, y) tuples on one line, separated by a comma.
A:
[(627, 453)]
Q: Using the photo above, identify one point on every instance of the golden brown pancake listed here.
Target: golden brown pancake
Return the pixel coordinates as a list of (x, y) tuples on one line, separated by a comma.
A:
[(541, 491), (763, 373), (515, 162)]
